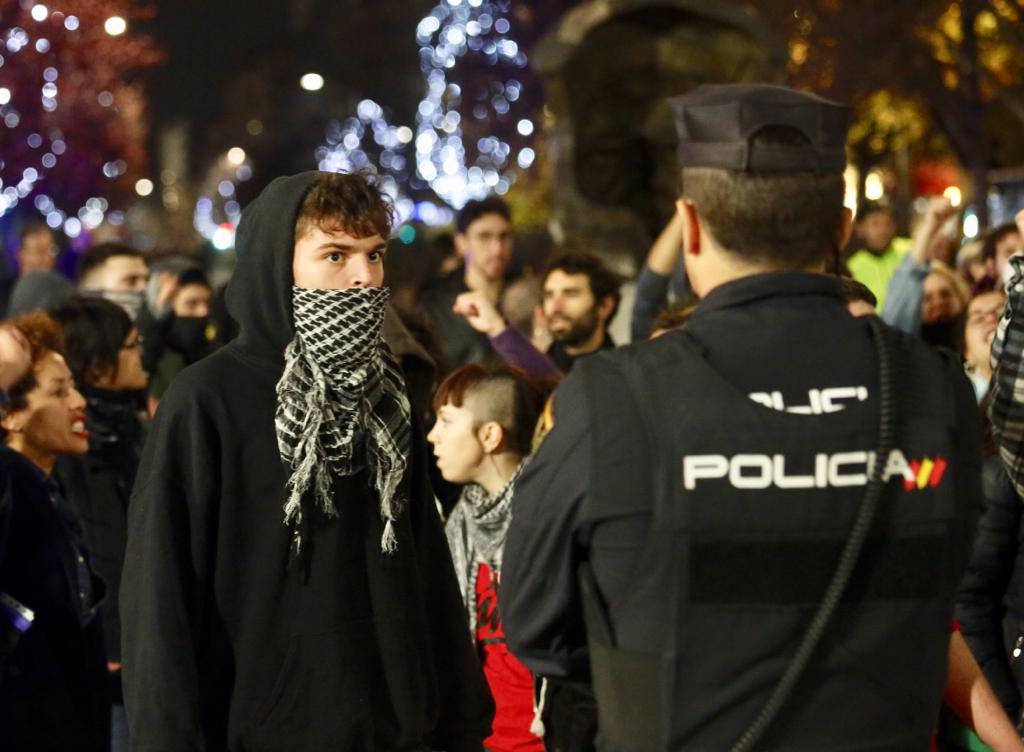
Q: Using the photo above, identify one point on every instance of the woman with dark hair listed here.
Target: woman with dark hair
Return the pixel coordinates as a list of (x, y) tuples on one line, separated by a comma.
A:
[(485, 421), (52, 665), (103, 351)]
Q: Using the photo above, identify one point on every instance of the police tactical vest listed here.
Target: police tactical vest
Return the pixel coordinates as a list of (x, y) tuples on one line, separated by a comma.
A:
[(749, 511)]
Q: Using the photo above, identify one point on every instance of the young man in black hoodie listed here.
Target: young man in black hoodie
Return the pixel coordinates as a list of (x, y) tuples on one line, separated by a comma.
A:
[(287, 581)]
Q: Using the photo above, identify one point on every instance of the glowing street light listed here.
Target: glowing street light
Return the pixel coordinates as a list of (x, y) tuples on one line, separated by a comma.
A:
[(236, 155), (115, 26), (144, 187), (873, 188), (312, 82), (953, 194)]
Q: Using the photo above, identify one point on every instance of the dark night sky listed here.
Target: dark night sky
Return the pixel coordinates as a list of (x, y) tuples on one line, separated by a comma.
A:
[(362, 48)]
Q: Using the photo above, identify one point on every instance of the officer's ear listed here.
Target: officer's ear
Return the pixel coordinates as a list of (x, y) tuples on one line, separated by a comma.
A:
[(845, 227), (491, 434), (691, 227)]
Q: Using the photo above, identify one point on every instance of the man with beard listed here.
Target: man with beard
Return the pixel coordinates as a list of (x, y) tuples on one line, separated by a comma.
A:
[(290, 585), (580, 298), (581, 295)]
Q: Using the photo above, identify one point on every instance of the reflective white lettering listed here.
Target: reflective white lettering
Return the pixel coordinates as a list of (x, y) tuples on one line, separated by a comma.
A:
[(758, 462), (897, 465), (821, 470), (836, 461), (703, 466), (789, 481), (759, 471), (819, 401)]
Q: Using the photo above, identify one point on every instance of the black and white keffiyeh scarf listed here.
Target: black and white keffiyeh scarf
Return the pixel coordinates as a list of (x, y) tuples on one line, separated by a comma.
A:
[(476, 530), (341, 404)]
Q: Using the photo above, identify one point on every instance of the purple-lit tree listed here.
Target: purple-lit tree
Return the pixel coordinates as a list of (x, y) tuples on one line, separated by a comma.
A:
[(72, 131)]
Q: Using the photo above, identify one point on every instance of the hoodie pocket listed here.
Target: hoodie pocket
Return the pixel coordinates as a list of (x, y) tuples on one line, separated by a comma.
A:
[(320, 698)]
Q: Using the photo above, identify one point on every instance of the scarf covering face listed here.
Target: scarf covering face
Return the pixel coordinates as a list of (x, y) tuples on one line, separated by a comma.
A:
[(341, 404), (476, 530)]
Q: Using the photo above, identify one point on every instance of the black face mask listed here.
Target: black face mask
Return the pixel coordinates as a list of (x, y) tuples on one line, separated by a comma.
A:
[(192, 336)]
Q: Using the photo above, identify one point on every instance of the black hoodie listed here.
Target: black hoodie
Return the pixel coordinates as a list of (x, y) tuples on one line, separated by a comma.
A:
[(229, 643)]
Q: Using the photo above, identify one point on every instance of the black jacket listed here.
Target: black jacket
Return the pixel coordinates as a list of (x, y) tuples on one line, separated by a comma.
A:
[(460, 342), (990, 603), (229, 643), (53, 686), (581, 532), (99, 484)]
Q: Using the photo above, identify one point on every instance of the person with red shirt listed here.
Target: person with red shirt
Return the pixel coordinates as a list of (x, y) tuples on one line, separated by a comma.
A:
[(485, 421)]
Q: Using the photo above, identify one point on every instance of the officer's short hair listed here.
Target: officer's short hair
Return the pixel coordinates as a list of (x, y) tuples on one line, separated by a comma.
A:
[(604, 283), (474, 209), (498, 392), (778, 218)]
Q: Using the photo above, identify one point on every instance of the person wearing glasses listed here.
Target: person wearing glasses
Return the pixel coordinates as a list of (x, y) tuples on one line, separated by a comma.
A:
[(103, 349)]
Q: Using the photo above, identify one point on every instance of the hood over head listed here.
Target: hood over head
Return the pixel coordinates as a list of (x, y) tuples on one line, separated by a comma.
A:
[(259, 296)]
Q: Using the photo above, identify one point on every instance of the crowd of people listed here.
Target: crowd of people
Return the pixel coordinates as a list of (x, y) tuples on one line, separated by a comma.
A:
[(294, 515)]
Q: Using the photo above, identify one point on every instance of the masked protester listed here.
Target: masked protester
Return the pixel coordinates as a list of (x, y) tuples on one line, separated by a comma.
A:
[(189, 333), (118, 273), (291, 586)]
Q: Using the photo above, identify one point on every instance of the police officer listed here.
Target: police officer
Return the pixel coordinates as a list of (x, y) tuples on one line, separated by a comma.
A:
[(749, 531)]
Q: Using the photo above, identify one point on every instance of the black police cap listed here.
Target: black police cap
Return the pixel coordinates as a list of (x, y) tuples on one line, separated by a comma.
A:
[(716, 123)]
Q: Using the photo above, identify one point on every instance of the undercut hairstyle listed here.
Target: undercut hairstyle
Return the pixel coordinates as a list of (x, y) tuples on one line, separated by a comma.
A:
[(854, 290), (44, 337), (348, 201), (783, 220), (604, 283), (501, 393), (98, 255), (474, 209), (995, 237), (94, 331), (32, 227)]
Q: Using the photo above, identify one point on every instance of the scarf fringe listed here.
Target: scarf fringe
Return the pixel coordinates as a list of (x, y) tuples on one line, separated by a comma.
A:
[(537, 725), (389, 541)]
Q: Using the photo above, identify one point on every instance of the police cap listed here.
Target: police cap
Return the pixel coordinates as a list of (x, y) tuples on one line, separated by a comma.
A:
[(717, 122)]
